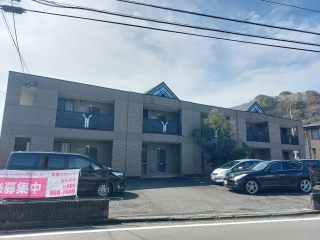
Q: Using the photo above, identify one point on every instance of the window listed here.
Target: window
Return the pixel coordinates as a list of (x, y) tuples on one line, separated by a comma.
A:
[(23, 160), (28, 96), (78, 162), (95, 166), (312, 164), (62, 147), (291, 166), (22, 144), (256, 109), (243, 165), (275, 167), (163, 92), (52, 161), (65, 105), (315, 133)]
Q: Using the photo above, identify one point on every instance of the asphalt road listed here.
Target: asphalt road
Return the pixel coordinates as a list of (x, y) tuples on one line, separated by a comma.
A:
[(176, 196), (249, 229)]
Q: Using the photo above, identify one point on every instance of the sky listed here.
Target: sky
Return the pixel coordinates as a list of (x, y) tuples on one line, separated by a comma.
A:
[(201, 70)]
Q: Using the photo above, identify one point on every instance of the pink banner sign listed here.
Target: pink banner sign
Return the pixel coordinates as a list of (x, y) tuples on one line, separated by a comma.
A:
[(38, 184)]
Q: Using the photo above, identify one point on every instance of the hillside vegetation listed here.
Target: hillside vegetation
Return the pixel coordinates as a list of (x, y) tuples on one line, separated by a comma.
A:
[(303, 106)]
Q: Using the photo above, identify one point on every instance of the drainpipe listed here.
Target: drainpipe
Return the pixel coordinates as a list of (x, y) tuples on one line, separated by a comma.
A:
[(308, 145)]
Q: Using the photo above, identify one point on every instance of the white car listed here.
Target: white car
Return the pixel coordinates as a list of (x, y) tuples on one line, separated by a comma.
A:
[(219, 173)]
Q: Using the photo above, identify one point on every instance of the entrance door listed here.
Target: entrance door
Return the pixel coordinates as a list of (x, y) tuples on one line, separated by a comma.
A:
[(285, 156), (161, 160)]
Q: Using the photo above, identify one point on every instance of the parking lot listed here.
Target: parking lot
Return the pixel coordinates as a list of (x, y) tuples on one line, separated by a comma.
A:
[(177, 196)]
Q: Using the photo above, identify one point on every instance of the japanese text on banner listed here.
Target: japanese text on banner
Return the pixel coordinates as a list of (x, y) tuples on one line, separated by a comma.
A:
[(38, 184)]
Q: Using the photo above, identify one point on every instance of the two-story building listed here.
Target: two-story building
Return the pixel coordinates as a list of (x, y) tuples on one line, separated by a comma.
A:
[(142, 134), (313, 139)]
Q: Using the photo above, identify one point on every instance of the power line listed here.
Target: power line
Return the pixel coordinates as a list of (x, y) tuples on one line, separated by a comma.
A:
[(171, 31), (287, 5), (258, 12), (18, 49), (175, 23), (218, 17), (14, 43)]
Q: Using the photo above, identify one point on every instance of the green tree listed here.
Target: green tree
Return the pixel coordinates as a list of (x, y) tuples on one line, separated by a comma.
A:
[(285, 93), (265, 101), (216, 140), (311, 93), (296, 105), (314, 100)]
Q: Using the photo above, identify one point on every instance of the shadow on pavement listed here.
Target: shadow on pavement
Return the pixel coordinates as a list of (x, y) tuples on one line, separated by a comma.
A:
[(274, 192), (154, 183), (124, 196)]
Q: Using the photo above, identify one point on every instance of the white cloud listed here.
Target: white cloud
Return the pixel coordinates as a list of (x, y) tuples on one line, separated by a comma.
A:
[(207, 71)]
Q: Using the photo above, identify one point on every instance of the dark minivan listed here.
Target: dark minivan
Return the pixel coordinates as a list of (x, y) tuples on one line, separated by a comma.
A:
[(272, 174), (93, 177)]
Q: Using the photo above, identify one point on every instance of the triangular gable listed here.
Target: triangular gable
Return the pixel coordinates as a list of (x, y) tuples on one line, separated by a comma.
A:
[(256, 108), (162, 90), (250, 107)]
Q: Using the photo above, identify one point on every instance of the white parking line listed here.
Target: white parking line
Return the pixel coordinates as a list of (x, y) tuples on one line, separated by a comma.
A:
[(155, 227)]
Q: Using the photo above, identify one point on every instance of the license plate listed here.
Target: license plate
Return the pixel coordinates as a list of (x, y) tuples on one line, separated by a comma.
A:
[(225, 182)]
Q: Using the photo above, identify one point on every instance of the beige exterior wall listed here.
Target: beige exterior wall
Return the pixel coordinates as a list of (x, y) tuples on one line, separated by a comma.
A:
[(38, 123), (263, 154)]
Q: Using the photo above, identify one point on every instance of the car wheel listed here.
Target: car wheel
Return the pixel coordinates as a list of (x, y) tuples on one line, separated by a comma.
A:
[(251, 187), (305, 185), (102, 189)]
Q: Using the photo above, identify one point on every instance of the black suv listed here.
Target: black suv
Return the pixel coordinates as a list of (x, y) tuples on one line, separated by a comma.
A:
[(272, 174), (93, 177)]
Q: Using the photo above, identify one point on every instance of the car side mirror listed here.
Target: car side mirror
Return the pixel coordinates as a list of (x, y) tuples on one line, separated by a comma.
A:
[(240, 168), (269, 170)]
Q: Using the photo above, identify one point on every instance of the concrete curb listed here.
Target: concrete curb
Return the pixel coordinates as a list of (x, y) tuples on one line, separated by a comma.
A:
[(149, 219), (211, 216)]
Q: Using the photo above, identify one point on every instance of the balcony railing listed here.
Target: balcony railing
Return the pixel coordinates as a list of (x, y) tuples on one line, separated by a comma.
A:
[(257, 136), (289, 139), (69, 119), (156, 126)]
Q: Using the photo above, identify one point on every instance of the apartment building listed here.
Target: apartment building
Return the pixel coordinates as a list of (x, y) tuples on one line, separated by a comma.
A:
[(313, 140), (143, 134)]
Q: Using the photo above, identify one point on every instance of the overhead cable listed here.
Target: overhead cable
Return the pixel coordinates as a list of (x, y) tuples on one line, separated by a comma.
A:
[(287, 5), (171, 31), (218, 17), (174, 23), (22, 62), (17, 42)]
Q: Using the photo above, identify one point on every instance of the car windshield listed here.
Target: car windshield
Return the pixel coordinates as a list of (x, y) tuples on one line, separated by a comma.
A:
[(259, 166), (230, 164)]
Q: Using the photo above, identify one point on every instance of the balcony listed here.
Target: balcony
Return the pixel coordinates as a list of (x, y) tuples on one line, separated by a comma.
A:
[(289, 139), (70, 119), (257, 136), (156, 126)]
